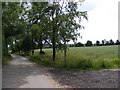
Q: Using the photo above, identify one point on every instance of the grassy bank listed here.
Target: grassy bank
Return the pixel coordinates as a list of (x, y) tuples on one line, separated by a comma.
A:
[(6, 59), (87, 58)]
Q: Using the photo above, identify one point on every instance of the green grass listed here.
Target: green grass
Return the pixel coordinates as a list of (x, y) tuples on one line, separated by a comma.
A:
[(87, 58), (6, 59)]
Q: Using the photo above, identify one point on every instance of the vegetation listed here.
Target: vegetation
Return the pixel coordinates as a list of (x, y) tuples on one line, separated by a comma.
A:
[(36, 24), (87, 58), (6, 59), (40, 22), (89, 43), (10, 26), (98, 43)]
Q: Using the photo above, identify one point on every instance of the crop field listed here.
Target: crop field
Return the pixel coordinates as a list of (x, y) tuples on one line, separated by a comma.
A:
[(90, 58)]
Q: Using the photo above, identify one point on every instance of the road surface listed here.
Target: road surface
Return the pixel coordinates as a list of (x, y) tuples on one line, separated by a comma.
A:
[(21, 73)]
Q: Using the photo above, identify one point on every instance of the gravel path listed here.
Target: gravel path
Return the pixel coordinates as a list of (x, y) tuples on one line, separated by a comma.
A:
[(86, 79), (21, 73)]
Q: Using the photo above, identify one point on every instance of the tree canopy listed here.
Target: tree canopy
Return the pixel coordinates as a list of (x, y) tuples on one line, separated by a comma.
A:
[(28, 24)]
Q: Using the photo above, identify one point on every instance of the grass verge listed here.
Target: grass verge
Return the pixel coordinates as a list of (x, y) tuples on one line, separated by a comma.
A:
[(85, 58), (77, 63), (6, 59)]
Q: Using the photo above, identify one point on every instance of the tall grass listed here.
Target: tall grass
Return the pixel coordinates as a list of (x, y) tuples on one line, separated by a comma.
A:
[(87, 58)]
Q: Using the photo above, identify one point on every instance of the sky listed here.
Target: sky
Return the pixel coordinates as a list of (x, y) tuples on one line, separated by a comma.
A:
[(102, 20)]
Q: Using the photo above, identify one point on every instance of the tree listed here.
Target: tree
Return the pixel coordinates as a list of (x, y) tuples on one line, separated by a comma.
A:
[(117, 42), (103, 42), (111, 42), (97, 43), (16, 47), (79, 44), (38, 21), (25, 44), (11, 24), (47, 22), (107, 43), (89, 43), (68, 28), (54, 12)]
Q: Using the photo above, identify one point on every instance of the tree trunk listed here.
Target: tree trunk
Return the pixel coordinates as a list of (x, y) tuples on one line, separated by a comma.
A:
[(32, 45), (32, 51), (19, 50), (6, 47), (54, 51), (65, 51), (41, 46)]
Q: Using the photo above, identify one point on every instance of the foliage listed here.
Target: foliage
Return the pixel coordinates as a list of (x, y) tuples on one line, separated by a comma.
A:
[(97, 43), (89, 43), (66, 27), (38, 23), (79, 44), (111, 42), (117, 42), (43, 22), (26, 44), (11, 26)]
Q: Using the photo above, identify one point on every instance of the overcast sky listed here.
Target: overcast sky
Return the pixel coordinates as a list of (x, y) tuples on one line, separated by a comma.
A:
[(102, 20)]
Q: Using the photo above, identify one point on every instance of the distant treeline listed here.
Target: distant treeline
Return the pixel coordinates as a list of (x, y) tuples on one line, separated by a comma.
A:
[(88, 43), (98, 43)]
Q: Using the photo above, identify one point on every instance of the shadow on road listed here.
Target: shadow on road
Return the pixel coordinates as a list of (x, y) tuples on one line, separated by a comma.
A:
[(22, 73)]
